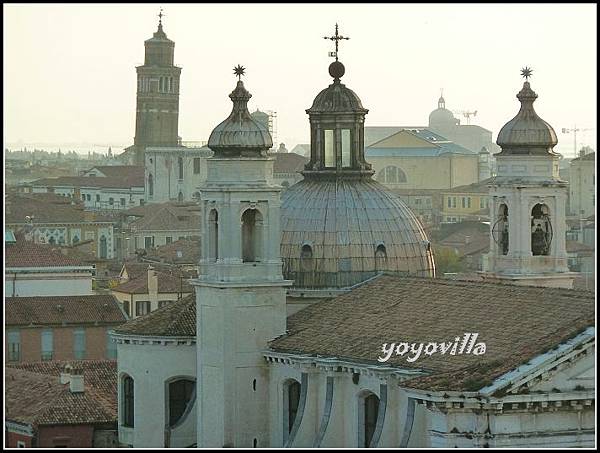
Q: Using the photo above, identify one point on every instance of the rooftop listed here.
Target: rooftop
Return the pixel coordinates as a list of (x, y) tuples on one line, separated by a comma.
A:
[(184, 251), (288, 163), (389, 309), (94, 309), (177, 319), (167, 283), (24, 253), (165, 217)]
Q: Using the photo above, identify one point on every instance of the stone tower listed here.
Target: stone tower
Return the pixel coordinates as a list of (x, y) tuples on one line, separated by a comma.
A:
[(241, 300), (528, 203), (157, 109)]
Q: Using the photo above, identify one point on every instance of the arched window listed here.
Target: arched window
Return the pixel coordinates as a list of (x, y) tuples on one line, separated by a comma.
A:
[(368, 411), (103, 247), (180, 197), (127, 401), (541, 230), (251, 235), (180, 395), (52, 241), (150, 184), (291, 402), (75, 239), (391, 175), (380, 257), (180, 165), (500, 229), (306, 258), (213, 235)]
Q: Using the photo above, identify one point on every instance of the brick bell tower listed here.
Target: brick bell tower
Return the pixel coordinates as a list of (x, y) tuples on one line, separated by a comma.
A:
[(157, 107)]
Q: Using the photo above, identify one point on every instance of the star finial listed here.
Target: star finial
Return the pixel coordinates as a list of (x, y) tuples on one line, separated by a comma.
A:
[(239, 71), (335, 38), (526, 72)]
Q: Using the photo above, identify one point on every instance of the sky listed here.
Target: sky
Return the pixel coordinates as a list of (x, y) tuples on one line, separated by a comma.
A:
[(69, 70)]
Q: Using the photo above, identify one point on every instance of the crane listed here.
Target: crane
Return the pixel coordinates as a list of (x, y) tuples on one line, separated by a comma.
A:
[(466, 113), (575, 129)]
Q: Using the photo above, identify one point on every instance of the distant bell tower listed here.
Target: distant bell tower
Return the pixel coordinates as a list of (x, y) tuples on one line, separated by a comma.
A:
[(528, 203), (157, 110)]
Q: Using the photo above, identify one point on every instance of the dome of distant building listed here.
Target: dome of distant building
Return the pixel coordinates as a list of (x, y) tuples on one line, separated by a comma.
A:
[(339, 226), (442, 117)]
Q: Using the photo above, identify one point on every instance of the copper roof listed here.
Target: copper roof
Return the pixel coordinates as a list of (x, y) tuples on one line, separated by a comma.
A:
[(176, 319), (516, 323), (34, 395), (99, 309)]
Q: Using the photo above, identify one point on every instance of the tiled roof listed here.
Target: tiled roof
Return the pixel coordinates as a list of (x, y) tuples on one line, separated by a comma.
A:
[(28, 254), (168, 217), (578, 247), (589, 156), (516, 323), (477, 187), (177, 319), (109, 182), (61, 310), (288, 163), (34, 395), (121, 171), (183, 251), (167, 283), (44, 207)]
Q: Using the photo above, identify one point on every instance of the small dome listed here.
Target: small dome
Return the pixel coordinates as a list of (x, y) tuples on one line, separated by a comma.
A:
[(442, 116), (240, 132), (527, 133), (336, 98), (336, 234)]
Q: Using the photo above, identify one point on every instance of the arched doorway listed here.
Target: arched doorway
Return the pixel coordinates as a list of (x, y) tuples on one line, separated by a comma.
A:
[(251, 235), (541, 230)]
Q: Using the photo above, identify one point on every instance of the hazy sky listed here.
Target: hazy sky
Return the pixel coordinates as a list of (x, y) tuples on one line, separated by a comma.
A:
[(69, 70)]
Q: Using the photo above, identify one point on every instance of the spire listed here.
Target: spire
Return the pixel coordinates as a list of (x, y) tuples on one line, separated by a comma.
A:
[(336, 69), (159, 32), (527, 133), (441, 100)]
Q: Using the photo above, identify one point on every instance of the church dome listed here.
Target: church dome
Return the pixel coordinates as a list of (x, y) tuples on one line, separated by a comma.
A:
[(442, 117), (336, 97), (338, 233), (527, 133), (240, 132)]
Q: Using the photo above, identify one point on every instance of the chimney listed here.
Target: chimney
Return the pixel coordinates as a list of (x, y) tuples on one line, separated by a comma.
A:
[(152, 281), (65, 375), (76, 382)]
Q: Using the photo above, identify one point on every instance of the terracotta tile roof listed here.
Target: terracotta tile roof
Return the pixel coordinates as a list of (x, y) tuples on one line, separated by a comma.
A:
[(578, 247), (178, 252), (44, 207), (108, 182), (477, 187), (47, 402), (177, 319), (288, 163), (28, 254), (167, 283), (516, 323), (121, 171), (61, 310), (168, 217)]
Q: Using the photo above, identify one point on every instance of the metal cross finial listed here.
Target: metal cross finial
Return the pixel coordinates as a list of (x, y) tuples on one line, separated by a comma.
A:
[(336, 38), (239, 71), (160, 16), (526, 72)]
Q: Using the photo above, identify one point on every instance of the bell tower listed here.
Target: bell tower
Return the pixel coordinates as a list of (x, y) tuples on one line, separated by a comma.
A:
[(528, 203), (240, 291), (157, 106)]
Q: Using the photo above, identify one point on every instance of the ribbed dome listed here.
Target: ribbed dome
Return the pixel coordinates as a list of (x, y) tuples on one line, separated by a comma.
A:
[(343, 223), (336, 98), (240, 133), (527, 133)]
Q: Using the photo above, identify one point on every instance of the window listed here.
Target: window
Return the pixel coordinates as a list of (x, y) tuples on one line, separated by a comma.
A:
[(142, 307), (79, 344), (83, 196), (98, 198), (251, 235), (150, 184), (391, 175), (449, 202), (122, 201), (453, 202), (196, 165), (14, 346), (180, 165), (346, 148), (127, 390), (148, 242), (111, 346), (541, 230), (168, 239), (371, 408), (47, 344), (180, 197), (329, 150), (88, 197), (380, 257), (181, 238), (111, 201), (180, 394), (103, 247), (306, 258), (292, 390), (163, 303), (126, 308)]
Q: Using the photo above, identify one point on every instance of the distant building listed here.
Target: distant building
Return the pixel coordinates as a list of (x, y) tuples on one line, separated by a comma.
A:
[(61, 404), (46, 328), (582, 184), (42, 270), (469, 202), (58, 220), (287, 168)]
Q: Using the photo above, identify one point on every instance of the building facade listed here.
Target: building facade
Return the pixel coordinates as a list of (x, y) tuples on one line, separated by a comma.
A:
[(582, 185)]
